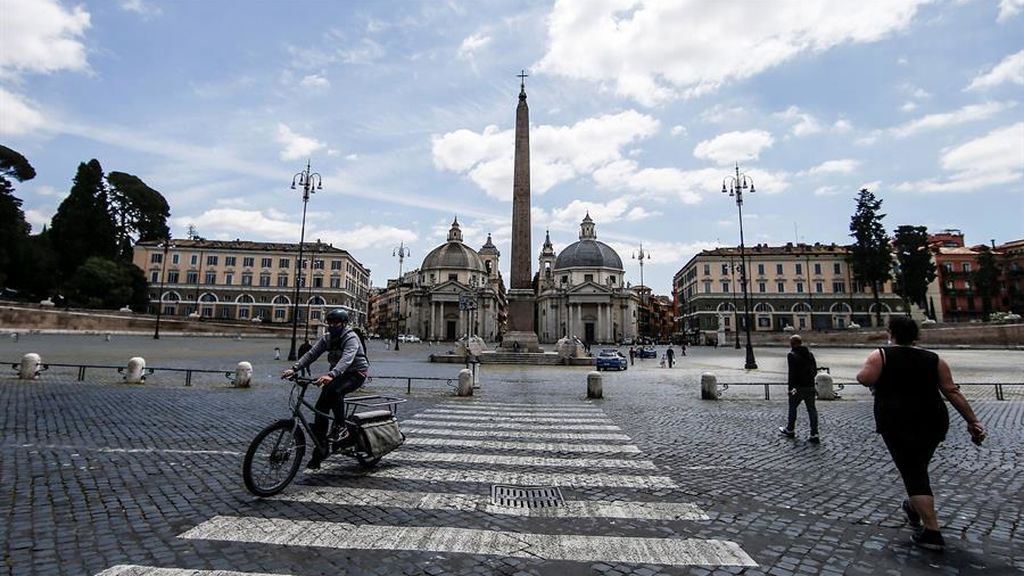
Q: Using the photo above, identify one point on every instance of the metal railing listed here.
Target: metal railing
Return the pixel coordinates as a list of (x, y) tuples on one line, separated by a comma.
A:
[(998, 386), (44, 366), (408, 380)]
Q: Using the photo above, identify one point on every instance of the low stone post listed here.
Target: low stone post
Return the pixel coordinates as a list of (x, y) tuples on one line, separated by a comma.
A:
[(465, 387), (595, 388), (243, 375), (823, 384), (708, 386), (136, 373), (29, 369)]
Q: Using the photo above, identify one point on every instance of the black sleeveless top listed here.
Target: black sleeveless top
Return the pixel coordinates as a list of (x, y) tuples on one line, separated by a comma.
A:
[(907, 397)]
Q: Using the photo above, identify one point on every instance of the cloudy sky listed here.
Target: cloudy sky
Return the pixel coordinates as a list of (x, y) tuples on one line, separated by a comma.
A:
[(638, 111)]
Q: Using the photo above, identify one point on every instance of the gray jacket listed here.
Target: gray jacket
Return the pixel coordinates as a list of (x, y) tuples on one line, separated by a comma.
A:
[(345, 354)]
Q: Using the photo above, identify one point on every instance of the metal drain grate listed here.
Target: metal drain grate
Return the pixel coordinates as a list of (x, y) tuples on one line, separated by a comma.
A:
[(526, 496)]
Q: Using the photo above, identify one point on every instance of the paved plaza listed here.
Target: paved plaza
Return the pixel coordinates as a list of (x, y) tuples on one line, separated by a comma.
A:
[(101, 477)]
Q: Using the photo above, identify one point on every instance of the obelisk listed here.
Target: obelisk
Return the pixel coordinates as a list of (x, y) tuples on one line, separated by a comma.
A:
[(521, 335)]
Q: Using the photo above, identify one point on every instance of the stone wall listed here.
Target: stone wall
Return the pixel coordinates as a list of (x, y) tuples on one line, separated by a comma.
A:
[(27, 318)]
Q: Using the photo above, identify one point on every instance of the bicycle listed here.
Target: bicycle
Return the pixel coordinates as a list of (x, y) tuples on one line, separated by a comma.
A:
[(275, 454)]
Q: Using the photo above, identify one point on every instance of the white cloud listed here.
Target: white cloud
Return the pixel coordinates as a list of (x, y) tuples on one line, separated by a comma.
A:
[(1008, 9), (141, 8), (640, 213), (315, 81), (678, 130), (718, 114), (600, 212), (969, 113), (295, 145), (908, 106), (1009, 70), (17, 115), (657, 51), (41, 36), (368, 51), (38, 218), (558, 153), (843, 166), (842, 126), (471, 44), (804, 124), (734, 147), (986, 161), (829, 191)]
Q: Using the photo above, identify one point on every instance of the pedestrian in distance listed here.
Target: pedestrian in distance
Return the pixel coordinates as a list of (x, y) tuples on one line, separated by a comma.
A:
[(303, 348), (349, 367), (682, 347), (800, 381), (908, 384), (632, 356), (671, 355), (277, 353)]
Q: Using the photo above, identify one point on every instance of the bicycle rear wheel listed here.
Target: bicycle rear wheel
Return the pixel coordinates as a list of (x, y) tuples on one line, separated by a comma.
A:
[(273, 458)]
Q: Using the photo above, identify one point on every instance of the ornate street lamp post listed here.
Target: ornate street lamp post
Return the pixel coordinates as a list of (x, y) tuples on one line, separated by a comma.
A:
[(735, 186), (401, 252), (309, 291), (735, 308), (310, 182), (640, 256), (160, 296)]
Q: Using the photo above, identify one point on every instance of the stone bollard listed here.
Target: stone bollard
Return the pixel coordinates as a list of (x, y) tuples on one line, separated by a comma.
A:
[(136, 373), (823, 384), (595, 388), (465, 387), (29, 369), (243, 375), (708, 386)]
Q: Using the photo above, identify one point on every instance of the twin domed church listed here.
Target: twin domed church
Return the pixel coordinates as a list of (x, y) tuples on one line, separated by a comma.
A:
[(579, 292)]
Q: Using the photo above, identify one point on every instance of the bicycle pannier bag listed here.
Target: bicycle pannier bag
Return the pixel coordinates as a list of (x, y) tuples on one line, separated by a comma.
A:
[(381, 436)]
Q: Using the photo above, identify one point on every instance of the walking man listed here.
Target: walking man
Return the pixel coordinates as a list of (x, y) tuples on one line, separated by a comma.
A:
[(671, 354), (802, 370)]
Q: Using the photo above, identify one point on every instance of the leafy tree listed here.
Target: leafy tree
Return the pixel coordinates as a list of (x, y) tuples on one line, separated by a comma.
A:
[(140, 212), (101, 283), (916, 269), (986, 278), (37, 266), (83, 226), (14, 229), (871, 253)]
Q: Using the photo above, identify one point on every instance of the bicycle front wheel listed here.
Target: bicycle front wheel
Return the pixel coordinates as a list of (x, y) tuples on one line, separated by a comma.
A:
[(273, 458)]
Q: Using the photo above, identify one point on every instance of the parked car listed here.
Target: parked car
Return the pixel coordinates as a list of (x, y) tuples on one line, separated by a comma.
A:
[(408, 338), (647, 352), (611, 359)]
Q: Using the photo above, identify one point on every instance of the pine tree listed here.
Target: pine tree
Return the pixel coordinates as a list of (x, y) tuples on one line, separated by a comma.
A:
[(14, 230), (871, 253), (986, 278), (916, 269), (140, 212), (83, 226)]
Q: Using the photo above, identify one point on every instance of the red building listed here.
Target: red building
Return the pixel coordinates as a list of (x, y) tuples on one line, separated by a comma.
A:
[(954, 295)]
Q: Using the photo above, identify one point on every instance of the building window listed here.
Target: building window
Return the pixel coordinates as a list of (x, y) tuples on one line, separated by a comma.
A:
[(453, 277), (837, 268), (211, 278), (318, 282), (611, 279), (335, 264), (279, 314), (707, 269), (175, 258), (194, 259), (588, 277), (948, 266), (154, 277), (966, 266), (707, 287), (725, 269), (211, 260), (780, 287), (318, 264), (264, 280), (156, 258), (725, 287), (817, 268), (760, 269), (838, 287), (565, 278), (172, 277), (229, 279), (229, 261), (762, 287), (335, 282), (192, 278), (799, 287), (778, 270), (282, 280), (243, 312), (248, 261), (819, 287)]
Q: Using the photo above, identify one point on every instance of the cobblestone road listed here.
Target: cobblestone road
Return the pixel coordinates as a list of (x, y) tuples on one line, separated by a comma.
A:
[(100, 477)]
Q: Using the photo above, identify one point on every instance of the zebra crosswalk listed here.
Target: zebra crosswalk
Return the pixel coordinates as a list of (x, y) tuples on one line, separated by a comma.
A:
[(468, 447)]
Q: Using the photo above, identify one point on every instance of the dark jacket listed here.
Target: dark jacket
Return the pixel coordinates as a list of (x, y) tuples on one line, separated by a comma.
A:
[(345, 353), (802, 368)]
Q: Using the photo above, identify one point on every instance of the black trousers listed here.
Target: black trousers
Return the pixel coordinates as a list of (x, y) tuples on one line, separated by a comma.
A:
[(912, 453), (331, 397), (807, 396)]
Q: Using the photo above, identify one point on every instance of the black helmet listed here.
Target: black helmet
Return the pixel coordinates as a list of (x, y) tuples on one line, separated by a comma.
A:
[(338, 315)]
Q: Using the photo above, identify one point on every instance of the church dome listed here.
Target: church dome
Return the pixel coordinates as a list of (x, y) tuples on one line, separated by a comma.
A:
[(588, 252), (453, 254)]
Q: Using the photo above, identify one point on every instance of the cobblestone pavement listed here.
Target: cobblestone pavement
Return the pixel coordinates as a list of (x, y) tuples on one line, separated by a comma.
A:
[(100, 477)]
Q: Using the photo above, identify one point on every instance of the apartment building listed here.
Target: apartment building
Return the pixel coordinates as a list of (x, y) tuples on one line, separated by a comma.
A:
[(808, 287), (243, 280), (953, 296)]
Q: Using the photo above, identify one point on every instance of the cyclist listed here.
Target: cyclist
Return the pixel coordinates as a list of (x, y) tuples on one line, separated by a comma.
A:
[(349, 367)]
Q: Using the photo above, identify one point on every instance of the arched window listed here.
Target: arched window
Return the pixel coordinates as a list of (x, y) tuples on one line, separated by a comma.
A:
[(207, 298), (245, 299), (841, 308), (317, 301), (172, 297), (763, 307), (802, 307), (281, 300), (726, 307)]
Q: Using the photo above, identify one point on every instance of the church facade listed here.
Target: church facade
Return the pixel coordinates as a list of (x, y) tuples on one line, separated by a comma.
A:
[(456, 291), (581, 292)]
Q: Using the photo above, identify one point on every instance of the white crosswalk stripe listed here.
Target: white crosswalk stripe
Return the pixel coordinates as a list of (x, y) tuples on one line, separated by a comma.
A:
[(339, 535), (476, 445)]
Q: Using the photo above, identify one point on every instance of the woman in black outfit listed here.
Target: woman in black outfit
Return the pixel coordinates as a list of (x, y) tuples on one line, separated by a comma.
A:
[(908, 384)]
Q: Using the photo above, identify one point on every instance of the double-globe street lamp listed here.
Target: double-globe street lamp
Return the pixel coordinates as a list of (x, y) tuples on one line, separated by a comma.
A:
[(401, 252), (310, 182), (735, 186), (166, 244)]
